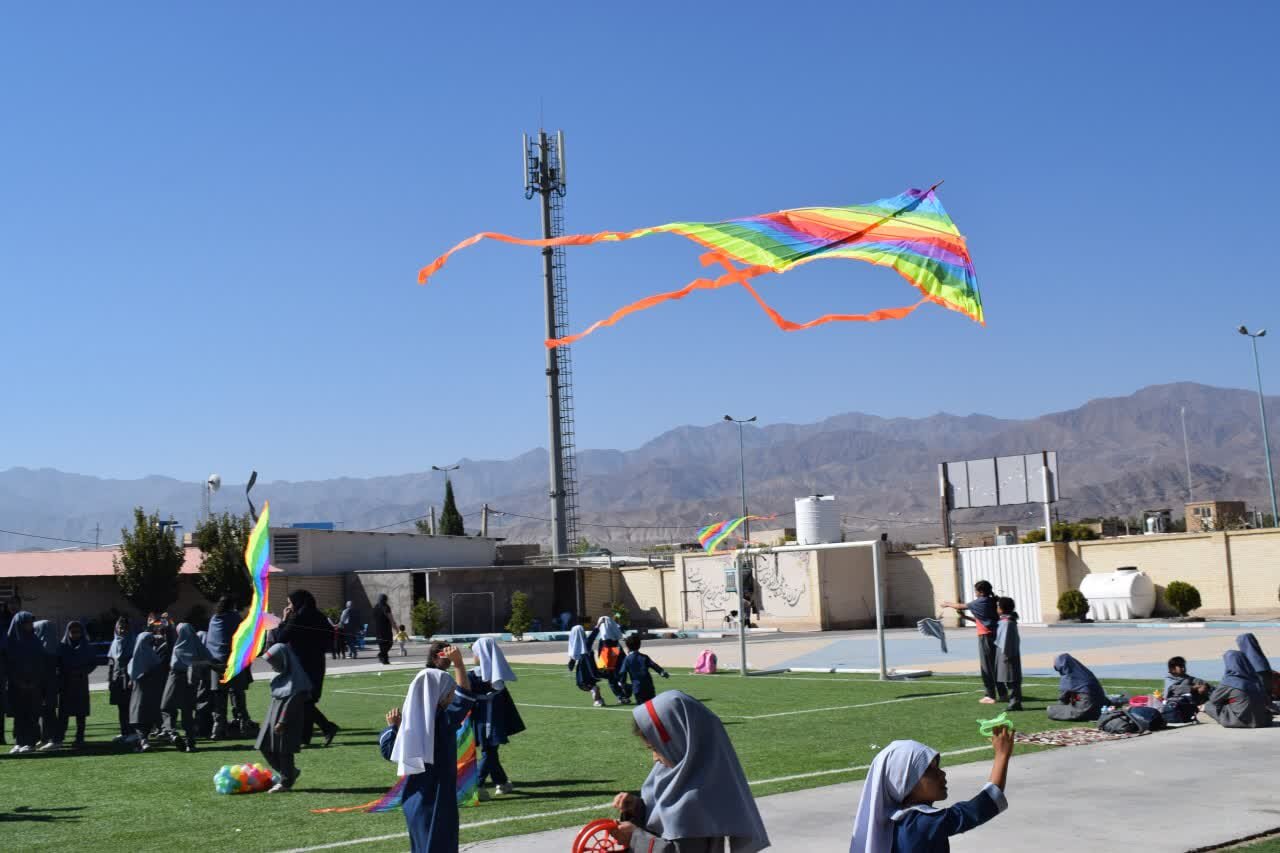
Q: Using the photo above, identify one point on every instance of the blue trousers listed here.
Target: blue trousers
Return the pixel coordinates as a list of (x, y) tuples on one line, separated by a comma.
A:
[(491, 766)]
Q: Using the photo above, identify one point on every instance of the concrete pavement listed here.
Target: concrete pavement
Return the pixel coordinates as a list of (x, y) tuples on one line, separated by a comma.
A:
[(1169, 792)]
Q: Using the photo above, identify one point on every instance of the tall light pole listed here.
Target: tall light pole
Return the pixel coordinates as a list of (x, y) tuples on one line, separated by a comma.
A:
[(1262, 407), (746, 538), (445, 470)]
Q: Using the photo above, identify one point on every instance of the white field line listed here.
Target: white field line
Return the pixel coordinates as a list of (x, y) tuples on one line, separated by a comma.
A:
[(629, 708), (603, 806), (849, 707)]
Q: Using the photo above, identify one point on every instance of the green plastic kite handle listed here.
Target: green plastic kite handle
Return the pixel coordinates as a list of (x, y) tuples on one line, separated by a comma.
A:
[(987, 728)]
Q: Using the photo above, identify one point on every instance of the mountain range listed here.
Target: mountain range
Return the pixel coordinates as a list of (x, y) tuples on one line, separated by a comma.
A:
[(1117, 456)]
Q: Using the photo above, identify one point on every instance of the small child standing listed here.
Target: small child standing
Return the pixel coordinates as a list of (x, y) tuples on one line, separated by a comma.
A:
[(280, 737), (76, 660), (118, 684), (633, 673), (896, 811), (402, 637), (1009, 653)]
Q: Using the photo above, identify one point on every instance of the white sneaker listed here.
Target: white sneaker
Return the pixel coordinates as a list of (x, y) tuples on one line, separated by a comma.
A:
[(504, 788), (599, 703), (23, 750), (17, 750), (51, 746)]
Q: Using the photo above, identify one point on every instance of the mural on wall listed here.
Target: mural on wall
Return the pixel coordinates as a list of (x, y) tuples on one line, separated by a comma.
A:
[(782, 581), (782, 585)]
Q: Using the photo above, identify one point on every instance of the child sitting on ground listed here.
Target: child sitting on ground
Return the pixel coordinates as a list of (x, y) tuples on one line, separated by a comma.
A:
[(896, 813), (1009, 653), (635, 669), (1080, 695), (1179, 683), (696, 795), (402, 637)]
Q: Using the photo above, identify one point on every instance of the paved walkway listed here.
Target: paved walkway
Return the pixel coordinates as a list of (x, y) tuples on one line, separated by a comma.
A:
[(1169, 792)]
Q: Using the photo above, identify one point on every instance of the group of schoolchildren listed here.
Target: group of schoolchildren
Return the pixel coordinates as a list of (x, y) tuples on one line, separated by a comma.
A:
[(599, 654), (163, 680)]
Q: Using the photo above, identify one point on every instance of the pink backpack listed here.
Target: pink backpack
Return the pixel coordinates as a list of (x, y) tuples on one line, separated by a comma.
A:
[(706, 664)]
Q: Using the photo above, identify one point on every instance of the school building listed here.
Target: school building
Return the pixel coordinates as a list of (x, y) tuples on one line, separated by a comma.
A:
[(825, 587)]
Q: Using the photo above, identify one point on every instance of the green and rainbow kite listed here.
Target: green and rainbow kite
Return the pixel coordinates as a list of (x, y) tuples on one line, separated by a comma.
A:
[(910, 233)]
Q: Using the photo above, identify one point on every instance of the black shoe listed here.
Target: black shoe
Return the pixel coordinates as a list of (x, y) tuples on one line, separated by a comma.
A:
[(191, 744), (1017, 707), (330, 734)]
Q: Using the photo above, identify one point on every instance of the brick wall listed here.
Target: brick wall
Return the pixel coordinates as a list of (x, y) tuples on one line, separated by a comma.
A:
[(918, 580), (641, 589), (1255, 570), (1199, 559)]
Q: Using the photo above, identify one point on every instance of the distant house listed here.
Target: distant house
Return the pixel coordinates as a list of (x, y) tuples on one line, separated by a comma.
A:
[(1216, 515)]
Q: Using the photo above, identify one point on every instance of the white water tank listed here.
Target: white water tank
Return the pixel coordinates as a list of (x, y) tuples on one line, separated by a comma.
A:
[(817, 520), (1125, 593)]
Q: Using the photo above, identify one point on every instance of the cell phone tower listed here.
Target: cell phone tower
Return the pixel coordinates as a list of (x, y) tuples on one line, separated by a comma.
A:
[(544, 176)]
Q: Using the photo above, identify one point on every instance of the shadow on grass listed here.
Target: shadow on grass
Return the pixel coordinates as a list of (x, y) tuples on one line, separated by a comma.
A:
[(547, 783), (519, 795), (40, 815), (381, 789)]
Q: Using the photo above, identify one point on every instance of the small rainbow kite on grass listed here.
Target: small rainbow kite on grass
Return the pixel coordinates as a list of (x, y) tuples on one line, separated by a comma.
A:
[(248, 638)]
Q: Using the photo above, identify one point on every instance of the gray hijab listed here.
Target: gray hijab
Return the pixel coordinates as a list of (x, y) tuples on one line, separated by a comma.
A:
[(144, 658), (188, 649), (289, 678), (47, 633), (705, 794)]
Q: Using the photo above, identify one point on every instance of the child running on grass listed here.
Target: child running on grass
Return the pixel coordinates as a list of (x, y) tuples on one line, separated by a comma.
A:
[(581, 665), (896, 812), (280, 737), (635, 669), (696, 796)]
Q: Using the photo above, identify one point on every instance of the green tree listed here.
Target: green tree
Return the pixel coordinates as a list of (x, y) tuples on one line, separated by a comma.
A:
[(1182, 597), (583, 546), (222, 540), (427, 617), (148, 563), (1072, 605), (1063, 531), (521, 617), (450, 518), (423, 525)]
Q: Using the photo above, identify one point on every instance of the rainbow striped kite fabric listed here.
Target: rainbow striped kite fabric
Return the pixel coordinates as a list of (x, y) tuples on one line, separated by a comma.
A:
[(910, 233), (253, 628), (713, 535), (468, 779), (468, 767)]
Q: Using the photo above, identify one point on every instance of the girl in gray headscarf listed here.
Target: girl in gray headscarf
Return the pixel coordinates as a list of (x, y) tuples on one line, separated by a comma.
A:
[(696, 797), (76, 659), (280, 737), (148, 668), (189, 662), (47, 634), (118, 684)]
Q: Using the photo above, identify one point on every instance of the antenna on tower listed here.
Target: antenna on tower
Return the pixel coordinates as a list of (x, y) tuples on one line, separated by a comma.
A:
[(544, 175)]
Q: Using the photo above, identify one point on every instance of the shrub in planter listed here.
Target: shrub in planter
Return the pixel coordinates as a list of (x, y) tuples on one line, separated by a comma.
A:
[(1072, 605), (1182, 597)]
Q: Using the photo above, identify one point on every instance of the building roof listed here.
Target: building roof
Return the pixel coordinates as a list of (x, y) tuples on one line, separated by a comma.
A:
[(85, 562)]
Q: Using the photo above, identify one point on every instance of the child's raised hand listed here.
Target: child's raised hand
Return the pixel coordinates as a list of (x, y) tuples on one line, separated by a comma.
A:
[(1002, 742), (393, 717), (453, 653), (625, 802)]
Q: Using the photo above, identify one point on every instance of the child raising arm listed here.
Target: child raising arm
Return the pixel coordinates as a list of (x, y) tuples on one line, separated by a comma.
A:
[(896, 813)]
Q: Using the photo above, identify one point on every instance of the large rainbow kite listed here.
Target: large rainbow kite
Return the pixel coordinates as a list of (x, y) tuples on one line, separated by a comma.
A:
[(468, 779), (253, 628), (712, 536), (910, 233)]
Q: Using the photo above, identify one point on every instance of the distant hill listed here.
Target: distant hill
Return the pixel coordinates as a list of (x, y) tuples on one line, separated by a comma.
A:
[(1117, 456)]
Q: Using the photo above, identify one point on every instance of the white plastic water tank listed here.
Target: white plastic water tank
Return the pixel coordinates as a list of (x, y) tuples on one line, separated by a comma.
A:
[(1125, 593), (817, 520)]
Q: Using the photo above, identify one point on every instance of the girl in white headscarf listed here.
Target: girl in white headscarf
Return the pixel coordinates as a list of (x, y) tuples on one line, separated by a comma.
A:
[(696, 797), (580, 663), (611, 655), (896, 812), (421, 738), (495, 716)]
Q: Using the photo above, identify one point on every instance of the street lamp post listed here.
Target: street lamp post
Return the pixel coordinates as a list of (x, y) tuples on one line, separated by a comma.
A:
[(445, 470), (1262, 408), (746, 537)]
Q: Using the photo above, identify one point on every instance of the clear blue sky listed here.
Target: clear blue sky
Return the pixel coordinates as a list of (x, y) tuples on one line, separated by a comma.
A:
[(213, 215)]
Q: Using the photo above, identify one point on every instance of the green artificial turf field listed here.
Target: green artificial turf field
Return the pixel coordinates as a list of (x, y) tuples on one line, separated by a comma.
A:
[(791, 732)]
